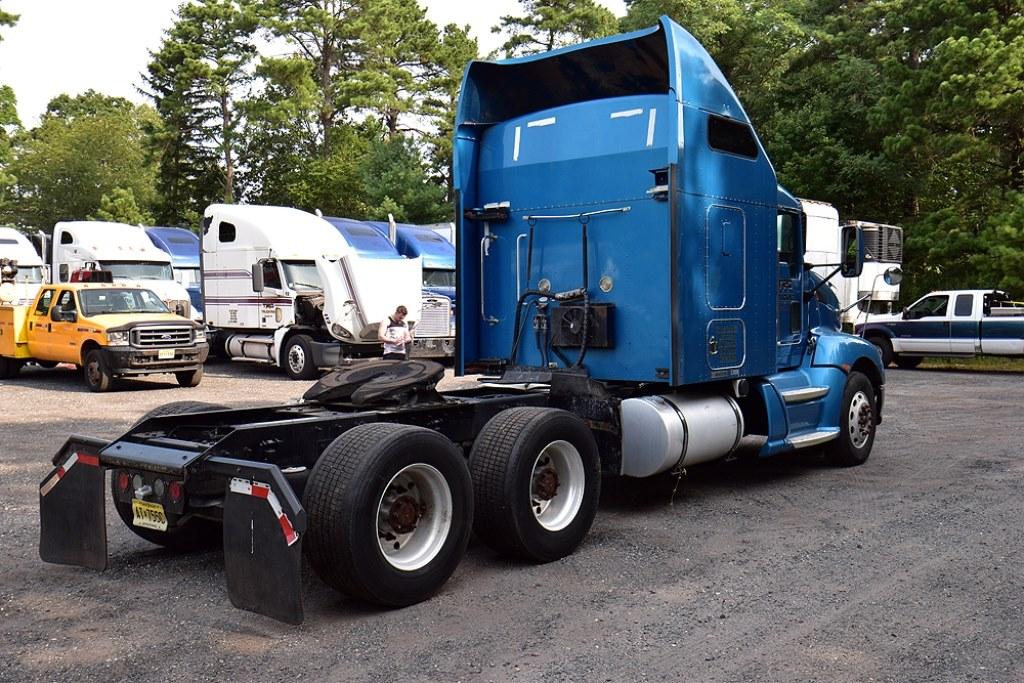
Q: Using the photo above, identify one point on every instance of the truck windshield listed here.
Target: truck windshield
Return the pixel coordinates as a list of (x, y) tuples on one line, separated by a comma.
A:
[(301, 275), (436, 277), (139, 270), (103, 301), (29, 275)]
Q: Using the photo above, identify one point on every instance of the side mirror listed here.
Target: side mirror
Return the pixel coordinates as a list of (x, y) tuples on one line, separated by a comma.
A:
[(893, 275), (905, 314), (853, 252), (57, 314), (70, 317), (257, 277)]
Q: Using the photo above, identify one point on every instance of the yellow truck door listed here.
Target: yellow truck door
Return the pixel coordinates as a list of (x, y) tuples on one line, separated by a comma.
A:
[(64, 335), (39, 325)]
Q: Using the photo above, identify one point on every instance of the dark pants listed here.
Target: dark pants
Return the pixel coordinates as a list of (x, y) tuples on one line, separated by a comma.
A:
[(394, 356)]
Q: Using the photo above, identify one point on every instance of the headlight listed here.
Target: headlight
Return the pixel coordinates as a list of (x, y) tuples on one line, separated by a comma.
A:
[(200, 334), (117, 338)]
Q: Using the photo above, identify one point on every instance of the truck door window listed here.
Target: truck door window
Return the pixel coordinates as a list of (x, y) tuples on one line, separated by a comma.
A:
[(43, 307), (63, 272), (66, 302), (929, 307), (786, 227), (964, 305), (271, 275)]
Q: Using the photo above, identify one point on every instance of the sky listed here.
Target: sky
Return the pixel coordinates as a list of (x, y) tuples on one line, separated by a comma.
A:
[(70, 46)]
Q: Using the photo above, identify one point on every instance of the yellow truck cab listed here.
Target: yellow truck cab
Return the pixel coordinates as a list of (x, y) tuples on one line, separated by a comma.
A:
[(108, 330)]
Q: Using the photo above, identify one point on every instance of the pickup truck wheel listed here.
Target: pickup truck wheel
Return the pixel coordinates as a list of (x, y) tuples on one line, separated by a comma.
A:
[(885, 346), (390, 513), (191, 378), (97, 375), (536, 482), (297, 357), (195, 533), (9, 368), (908, 362), (856, 423)]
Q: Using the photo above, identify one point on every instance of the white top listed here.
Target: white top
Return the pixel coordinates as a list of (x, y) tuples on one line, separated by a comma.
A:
[(396, 332)]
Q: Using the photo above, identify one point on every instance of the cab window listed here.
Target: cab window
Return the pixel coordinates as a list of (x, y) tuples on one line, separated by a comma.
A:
[(65, 302), (271, 275), (786, 226), (929, 307), (43, 306), (964, 305)]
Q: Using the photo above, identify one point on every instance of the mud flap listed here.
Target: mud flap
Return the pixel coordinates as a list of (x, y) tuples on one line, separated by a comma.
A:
[(263, 527), (72, 518)]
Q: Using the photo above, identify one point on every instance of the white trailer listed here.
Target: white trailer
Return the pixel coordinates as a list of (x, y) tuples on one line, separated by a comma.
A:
[(869, 293), (16, 247), (124, 250), (282, 286)]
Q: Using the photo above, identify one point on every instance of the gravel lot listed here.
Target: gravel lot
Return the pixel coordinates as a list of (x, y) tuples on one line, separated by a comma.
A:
[(908, 568)]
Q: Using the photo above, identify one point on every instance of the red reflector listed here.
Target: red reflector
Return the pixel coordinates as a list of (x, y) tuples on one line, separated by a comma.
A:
[(123, 480), (174, 491)]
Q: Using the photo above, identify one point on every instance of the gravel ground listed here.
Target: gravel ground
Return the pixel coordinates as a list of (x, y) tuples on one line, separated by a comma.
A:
[(908, 568)]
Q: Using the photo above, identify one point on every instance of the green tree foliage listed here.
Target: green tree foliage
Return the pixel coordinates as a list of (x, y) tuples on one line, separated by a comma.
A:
[(396, 181), (83, 148), (550, 24), (196, 79), (7, 19), (9, 124), (120, 206)]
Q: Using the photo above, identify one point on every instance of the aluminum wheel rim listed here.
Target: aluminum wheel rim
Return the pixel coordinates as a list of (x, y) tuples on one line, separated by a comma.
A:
[(424, 487), (92, 372), (557, 511), (296, 359), (859, 419)]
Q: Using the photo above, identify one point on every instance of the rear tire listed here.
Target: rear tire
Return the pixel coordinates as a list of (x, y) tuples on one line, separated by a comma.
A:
[(297, 357), (856, 423), (97, 374), (191, 378), (195, 533), (390, 512), (536, 482), (908, 362), (885, 346)]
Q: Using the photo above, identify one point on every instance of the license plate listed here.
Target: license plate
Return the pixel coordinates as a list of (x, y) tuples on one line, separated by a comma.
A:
[(165, 354), (148, 515)]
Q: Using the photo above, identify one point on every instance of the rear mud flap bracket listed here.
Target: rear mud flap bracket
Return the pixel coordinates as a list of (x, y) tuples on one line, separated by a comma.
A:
[(263, 527), (72, 517)]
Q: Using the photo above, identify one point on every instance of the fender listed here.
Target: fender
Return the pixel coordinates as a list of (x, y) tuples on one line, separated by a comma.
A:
[(845, 351)]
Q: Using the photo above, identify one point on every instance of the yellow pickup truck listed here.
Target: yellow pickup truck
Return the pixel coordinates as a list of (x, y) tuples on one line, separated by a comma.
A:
[(108, 330)]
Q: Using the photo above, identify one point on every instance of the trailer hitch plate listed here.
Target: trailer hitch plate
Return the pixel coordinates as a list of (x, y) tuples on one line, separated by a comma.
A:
[(72, 518)]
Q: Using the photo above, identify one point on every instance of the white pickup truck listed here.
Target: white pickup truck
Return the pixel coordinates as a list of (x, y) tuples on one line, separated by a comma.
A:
[(967, 322)]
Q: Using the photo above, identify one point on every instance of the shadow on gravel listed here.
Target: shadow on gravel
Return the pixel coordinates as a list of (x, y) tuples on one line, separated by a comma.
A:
[(70, 380)]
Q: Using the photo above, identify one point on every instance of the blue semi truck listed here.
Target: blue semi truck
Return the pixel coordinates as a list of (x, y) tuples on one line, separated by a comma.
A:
[(632, 286), (183, 247)]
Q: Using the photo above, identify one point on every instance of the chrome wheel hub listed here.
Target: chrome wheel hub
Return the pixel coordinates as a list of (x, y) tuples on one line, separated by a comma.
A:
[(296, 359), (860, 420)]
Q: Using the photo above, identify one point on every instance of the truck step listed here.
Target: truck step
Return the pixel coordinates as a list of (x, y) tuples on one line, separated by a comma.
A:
[(813, 438), (804, 394)]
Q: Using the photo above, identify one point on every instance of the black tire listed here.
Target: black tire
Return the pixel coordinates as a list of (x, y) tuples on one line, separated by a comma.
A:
[(857, 423), (195, 533), (190, 378), (908, 362), (343, 498), (9, 368), (885, 346), (502, 463), (95, 371), (297, 357)]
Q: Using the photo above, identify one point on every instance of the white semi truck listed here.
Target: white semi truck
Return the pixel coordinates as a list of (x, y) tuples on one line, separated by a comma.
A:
[(124, 250), (870, 292), (16, 248), (282, 286)]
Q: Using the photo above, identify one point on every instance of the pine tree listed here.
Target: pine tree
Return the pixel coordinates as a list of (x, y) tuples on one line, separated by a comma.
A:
[(550, 24)]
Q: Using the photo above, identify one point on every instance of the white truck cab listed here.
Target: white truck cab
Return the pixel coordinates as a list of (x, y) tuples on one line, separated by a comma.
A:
[(124, 250), (15, 247), (282, 286), (868, 293)]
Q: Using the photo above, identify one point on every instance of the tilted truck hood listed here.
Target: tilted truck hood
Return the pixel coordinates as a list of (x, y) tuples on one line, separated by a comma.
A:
[(360, 292)]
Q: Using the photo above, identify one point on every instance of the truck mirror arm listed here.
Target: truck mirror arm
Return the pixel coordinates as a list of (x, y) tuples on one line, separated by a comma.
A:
[(808, 295)]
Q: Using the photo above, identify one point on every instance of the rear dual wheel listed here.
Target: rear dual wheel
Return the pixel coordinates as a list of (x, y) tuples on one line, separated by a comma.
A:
[(390, 512)]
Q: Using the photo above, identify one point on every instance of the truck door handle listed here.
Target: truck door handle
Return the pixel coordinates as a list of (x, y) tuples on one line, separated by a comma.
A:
[(485, 244)]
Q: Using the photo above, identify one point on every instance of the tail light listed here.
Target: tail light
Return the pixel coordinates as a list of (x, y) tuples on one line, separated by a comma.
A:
[(123, 481), (175, 491)]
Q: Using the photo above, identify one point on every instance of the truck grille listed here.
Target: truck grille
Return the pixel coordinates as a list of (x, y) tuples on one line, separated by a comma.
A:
[(161, 337), (435, 321), (884, 243)]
